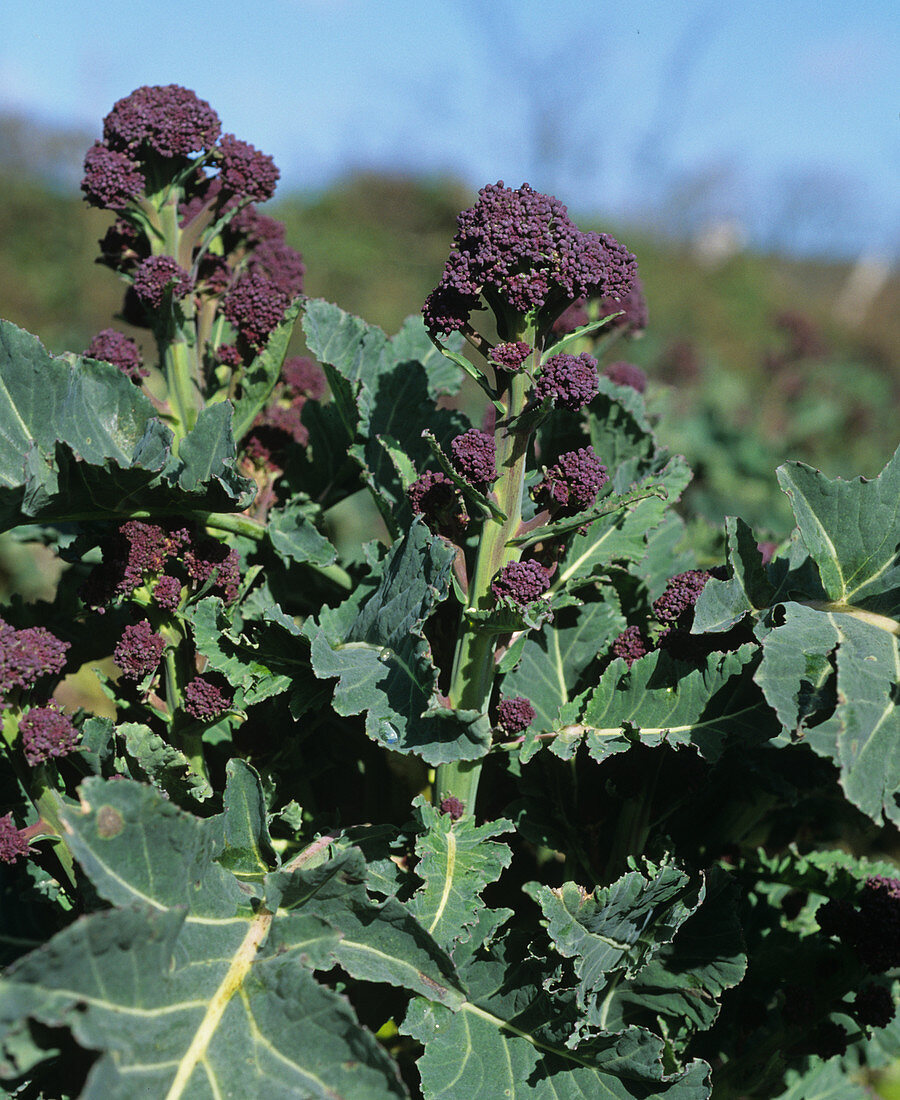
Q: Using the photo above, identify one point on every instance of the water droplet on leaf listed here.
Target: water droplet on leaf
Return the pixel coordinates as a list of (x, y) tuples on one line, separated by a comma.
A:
[(388, 734)]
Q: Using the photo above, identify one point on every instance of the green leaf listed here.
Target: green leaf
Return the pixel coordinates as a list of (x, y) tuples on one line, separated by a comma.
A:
[(660, 700), (852, 530), (823, 1081), (260, 378), (615, 930), (78, 439), (747, 590), (457, 859), (682, 985), (242, 841), (512, 1038), (552, 661), (200, 983), (391, 389), (292, 531), (381, 659), (163, 764)]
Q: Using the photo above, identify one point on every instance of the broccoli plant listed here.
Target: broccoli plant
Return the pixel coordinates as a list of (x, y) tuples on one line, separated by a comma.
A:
[(511, 798)]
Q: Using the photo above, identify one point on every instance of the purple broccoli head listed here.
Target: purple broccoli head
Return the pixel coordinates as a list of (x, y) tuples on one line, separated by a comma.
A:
[(632, 310), (521, 582), (111, 179), (520, 251), (245, 171), (434, 496), (574, 481), (139, 650), (474, 456), (159, 276), (630, 645), (627, 374), (27, 655), (13, 841), (302, 375), (211, 560), (681, 593), (515, 715), (871, 926), (281, 264), (167, 592), (570, 381), (453, 807), (204, 700), (874, 1006), (169, 119), (114, 347), (46, 732), (510, 356), (255, 306)]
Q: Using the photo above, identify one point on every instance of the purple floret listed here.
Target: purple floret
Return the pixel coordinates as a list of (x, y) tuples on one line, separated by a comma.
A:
[(169, 119), (302, 375), (245, 171), (114, 347), (157, 277), (630, 645), (111, 179), (520, 250), (874, 1006), (574, 481), (681, 593), (255, 306), (434, 496), (211, 560), (829, 1040), (167, 592), (571, 381), (281, 264), (28, 654), (474, 457), (510, 356), (632, 310), (139, 650), (878, 928), (627, 374), (205, 701), (47, 732), (13, 841), (453, 807), (515, 715), (521, 582)]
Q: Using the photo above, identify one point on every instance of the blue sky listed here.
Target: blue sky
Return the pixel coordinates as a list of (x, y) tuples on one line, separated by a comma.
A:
[(783, 114)]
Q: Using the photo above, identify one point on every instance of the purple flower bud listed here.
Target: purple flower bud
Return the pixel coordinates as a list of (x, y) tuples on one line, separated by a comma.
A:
[(205, 701), (453, 807), (510, 356), (245, 171), (515, 715), (474, 457), (302, 375), (47, 732), (13, 841), (255, 306), (434, 496), (212, 560), (157, 277), (632, 310), (26, 655), (681, 593), (167, 593), (114, 347), (874, 1006), (574, 482), (281, 264), (630, 645), (139, 650), (111, 179), (521, 582), (571, 381), (627, 374), (168, 119)]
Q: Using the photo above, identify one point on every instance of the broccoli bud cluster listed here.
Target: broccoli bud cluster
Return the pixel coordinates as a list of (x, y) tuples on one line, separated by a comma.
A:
[(519, 251), (474, 456), (110, 346), (159, 276), (573, 482), (521, 582), (626, 374), (13, 841), (27, 655), (434, 496), (205, 700), (139, 650), (47, 732), (510, 356), (515, 715), (871, 926), (570, 381)]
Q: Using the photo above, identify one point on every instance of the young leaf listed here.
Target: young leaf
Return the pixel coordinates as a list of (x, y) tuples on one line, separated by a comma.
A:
[(723, 603)]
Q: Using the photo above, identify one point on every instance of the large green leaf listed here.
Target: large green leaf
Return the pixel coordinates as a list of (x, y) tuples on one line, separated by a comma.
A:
[(852, 530), (659, 699), (199, 983), (382, 661), (78, 439), (385, 388), (457, 859), (514, 1038), (553, 659), (747, 589)]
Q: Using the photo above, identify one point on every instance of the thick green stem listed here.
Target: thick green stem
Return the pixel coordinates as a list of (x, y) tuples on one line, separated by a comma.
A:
[(183, 397), (472, 678)]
